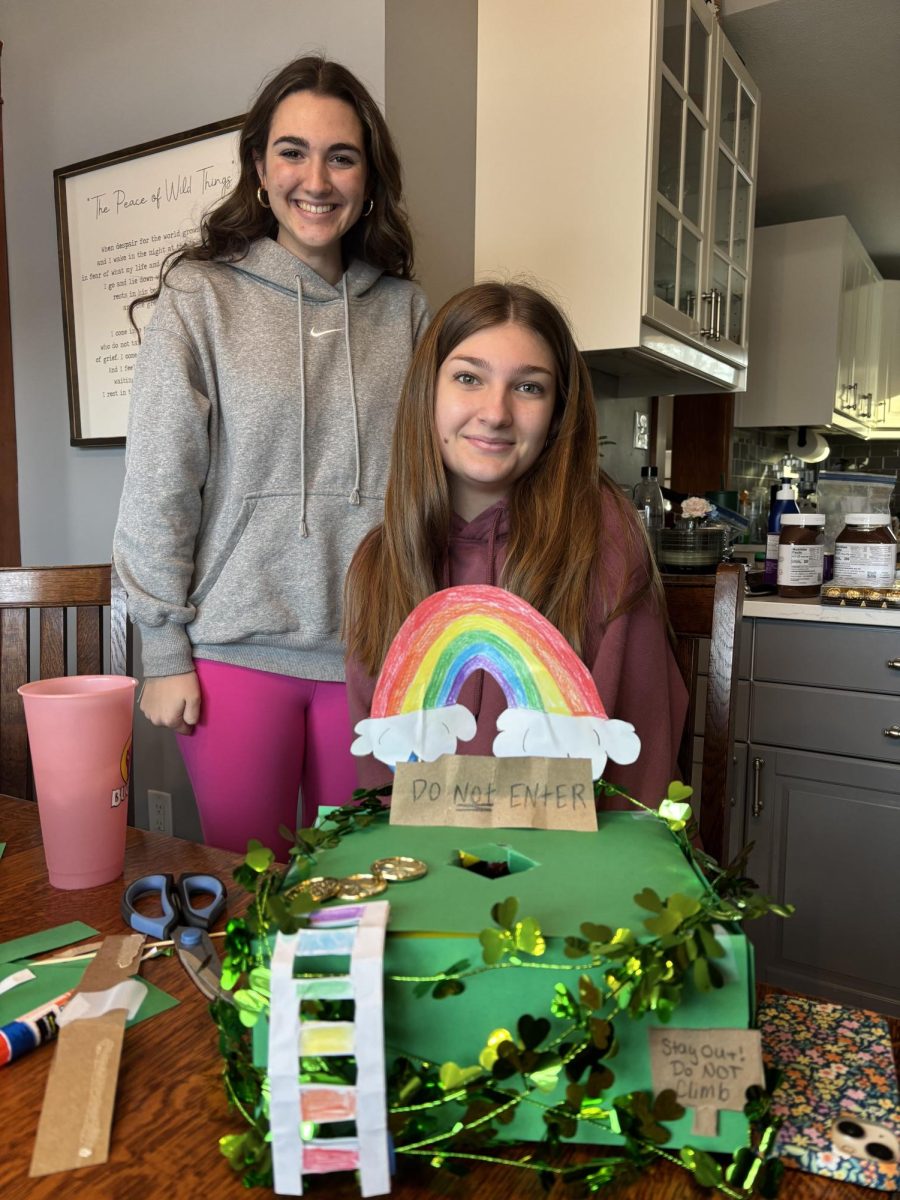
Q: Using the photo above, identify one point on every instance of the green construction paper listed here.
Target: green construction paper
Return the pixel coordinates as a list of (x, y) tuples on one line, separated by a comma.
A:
[(435, 921), (55, 980), (2, 848), (579, 876), (45, 941)]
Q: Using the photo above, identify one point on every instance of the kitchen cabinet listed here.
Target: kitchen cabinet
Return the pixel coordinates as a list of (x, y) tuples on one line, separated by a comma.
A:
[(815, 319), (886, 420), (822, 806), (857, 383), (615, 165)]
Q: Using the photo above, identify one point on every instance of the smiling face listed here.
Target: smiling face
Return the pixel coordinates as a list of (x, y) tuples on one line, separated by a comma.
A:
[(315, 174), (493, 405)]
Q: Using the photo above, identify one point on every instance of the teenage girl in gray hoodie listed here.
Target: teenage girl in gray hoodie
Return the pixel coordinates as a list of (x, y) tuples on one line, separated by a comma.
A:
[(261, 418)]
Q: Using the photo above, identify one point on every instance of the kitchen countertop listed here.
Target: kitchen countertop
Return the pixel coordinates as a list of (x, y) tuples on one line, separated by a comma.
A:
[(811, 610)]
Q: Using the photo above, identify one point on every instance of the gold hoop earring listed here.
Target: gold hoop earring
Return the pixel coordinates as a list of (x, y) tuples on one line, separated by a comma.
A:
[(367, 211), (260, 191)]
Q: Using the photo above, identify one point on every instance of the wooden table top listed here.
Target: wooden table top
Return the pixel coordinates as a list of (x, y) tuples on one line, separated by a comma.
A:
[(170, 1105)]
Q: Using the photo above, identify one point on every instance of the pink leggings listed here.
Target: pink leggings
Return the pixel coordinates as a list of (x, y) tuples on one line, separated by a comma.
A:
[(262, 737)]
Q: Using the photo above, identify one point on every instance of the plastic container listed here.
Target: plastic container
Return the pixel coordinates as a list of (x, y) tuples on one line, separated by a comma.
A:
[(840, 492), (785, 501), (801, 555), (79, 732), (865, 552), (648, 499)]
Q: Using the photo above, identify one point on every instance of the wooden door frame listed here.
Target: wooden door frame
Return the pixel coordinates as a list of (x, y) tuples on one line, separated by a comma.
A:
[(10, 546)]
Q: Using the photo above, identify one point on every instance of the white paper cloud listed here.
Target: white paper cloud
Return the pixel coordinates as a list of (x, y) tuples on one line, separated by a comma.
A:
[(523, 731), (426, 733)]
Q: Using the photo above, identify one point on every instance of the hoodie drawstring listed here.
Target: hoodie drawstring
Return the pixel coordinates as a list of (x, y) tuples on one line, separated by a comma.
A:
[(492, 536), (354, 494), (304, 531)]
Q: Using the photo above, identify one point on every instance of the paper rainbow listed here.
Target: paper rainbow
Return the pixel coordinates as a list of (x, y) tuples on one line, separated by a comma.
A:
[(461, 630), (553, 705)]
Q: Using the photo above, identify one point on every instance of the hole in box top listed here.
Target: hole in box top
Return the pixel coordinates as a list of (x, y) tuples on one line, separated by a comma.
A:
[(493, 860)]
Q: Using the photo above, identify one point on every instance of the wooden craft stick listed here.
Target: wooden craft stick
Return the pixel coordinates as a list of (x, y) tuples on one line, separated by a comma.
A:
[(76, 1117)]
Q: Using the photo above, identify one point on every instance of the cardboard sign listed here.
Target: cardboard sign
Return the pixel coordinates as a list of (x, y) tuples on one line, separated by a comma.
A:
[(708, 1069), (495, 793)]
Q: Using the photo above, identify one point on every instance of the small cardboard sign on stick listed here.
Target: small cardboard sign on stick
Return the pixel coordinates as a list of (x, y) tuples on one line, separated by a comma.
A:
[(708, 1070), (499, 793)]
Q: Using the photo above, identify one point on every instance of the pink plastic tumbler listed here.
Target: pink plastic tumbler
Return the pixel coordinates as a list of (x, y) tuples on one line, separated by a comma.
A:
[(79, 731)]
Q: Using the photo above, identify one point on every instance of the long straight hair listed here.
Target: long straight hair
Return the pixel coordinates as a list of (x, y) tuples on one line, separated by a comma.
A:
[(383, 238), (556, 510)]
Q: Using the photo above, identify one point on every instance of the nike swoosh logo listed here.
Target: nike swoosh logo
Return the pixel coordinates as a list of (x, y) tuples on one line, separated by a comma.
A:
[(322, 332)]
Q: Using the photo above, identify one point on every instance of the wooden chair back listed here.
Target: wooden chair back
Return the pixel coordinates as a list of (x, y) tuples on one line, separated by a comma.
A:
[(709, 607), (35, 643)]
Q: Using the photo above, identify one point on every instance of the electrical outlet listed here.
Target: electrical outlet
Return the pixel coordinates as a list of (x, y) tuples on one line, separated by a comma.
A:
[(159, 812)]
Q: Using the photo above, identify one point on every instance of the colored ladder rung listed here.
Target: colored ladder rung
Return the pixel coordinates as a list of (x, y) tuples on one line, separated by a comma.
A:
[(325, 987), (324, 1038), (339, 940), (321, 1102), (324, 1155), (345, 914)]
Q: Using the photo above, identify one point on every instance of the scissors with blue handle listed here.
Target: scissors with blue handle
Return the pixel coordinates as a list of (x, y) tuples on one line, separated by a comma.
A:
[(186, 923)]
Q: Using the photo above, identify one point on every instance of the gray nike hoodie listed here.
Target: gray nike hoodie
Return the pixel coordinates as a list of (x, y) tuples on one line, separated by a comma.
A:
[(262, 410)]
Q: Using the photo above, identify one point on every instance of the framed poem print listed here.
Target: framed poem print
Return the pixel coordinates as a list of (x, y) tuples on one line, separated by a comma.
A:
[(118, 217)]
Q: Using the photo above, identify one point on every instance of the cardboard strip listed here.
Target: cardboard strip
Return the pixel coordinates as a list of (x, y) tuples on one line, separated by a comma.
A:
[(706, 1121), (76, 1117)]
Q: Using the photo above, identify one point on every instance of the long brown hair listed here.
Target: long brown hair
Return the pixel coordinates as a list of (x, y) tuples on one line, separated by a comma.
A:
[(383, 238), (556, 510)]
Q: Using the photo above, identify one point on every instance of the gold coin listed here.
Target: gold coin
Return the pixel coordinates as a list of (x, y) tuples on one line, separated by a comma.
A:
[(359, 887), (400, 868), (319, 888)]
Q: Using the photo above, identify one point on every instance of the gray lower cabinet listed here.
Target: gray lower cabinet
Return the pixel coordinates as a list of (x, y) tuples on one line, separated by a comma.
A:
[(826, 830), (821, 802)]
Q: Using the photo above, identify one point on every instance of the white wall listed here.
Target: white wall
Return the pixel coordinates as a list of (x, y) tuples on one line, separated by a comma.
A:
[(82, 78)]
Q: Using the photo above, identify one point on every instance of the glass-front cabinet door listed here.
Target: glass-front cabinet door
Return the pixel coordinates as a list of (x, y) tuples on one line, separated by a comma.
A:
[(702, 189), (679, 163), (732, 201)]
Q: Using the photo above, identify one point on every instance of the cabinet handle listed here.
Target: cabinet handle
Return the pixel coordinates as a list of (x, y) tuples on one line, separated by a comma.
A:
[(714, 299), (853, 402), (893, 731), (893, 664), (758, 803), (710, 299)]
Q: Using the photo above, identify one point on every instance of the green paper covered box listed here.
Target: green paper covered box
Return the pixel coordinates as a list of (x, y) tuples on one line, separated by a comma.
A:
[(561, 880)]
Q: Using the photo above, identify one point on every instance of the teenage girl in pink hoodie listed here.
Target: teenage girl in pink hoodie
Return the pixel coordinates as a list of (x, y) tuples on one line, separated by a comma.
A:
[(494, 479)]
